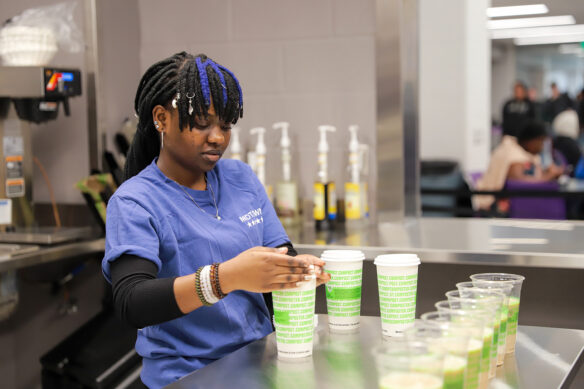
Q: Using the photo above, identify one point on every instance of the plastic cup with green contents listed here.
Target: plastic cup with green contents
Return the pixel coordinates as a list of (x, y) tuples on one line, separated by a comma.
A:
[(397, 281), (294, 320), (451, 341), (343, 291), (475, 328), (489, 300), (408, 365), (488, 316), (512, 321), (465, 288)]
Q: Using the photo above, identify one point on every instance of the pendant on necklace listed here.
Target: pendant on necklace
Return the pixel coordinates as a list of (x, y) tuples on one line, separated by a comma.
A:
[(218, 217)]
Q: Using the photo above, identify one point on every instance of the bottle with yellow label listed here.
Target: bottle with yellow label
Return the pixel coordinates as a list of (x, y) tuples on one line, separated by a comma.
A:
[(325, 199), (356, 205)]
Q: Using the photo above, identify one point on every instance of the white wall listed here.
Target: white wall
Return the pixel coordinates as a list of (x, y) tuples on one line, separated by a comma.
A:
[(455, 82), (306, 62)]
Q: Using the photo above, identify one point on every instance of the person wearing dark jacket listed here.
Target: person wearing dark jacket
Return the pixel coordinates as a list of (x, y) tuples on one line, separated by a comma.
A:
[(517, 111)]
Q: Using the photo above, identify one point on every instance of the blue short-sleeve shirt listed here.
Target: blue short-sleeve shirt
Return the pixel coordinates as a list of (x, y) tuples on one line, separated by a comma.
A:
[(152, 217)]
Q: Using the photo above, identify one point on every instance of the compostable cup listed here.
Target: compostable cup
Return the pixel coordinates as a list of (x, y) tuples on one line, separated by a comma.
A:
[(491, 301), (475, 327), (452, 341), (397, 281), (493, 286), (294, 320), (409, 365), (513, 317), (343, 291)]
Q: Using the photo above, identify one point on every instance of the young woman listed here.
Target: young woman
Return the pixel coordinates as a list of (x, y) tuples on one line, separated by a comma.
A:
[(192, 241)]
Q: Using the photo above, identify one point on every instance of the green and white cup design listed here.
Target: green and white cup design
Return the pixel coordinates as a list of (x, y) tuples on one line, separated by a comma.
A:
[(294, 320), (513, 309), (397, 281), (343, 291)]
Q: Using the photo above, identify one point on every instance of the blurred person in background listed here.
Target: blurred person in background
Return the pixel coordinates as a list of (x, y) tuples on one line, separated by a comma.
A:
[(516, 158), (538, 105), (517, 111), (581, 108), (566, 131), (557, 103)]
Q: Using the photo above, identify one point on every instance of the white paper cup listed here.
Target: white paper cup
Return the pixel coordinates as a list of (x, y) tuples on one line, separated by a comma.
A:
[(294, 320), (343, 291), (397, 281)]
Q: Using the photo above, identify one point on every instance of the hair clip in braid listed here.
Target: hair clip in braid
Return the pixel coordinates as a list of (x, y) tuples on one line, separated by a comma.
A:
[(174, 101), (190, 103)]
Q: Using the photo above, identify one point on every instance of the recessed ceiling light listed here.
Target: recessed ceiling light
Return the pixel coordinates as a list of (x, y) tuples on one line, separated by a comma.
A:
[(516, 10), (549, 40), (531, 22), (537, 32)]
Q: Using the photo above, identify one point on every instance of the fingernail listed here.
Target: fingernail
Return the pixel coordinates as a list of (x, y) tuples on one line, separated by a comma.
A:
[(282, 249), (308, 278)]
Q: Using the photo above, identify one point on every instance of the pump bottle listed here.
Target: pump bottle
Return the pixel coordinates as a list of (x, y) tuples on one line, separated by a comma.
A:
[(286, 203), (235, 145), (356, 205), (325, 201), (260, 158)]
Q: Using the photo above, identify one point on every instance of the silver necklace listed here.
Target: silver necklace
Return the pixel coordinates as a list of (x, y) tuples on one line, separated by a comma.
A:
[(212, 195)]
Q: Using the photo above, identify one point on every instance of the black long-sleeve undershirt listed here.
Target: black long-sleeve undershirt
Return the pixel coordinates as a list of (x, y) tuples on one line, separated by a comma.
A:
[(141, 299)]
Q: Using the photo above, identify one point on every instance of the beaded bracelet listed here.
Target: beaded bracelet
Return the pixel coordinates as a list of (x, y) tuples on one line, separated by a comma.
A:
[(198, 287), (217, 283), (206, 285)]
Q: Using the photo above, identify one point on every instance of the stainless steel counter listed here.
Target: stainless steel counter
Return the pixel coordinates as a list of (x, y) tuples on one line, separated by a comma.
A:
[(44, 254), (507, 242), (544, 358), (500, 242)]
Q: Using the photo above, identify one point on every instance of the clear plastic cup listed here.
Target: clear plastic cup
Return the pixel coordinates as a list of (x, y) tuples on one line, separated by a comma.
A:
[(488, 317), (491, 301), (408, 365), (466, 288), (397, 281), (294, 320), (343, 291), (512, 320), (475, 328), (451, 341)]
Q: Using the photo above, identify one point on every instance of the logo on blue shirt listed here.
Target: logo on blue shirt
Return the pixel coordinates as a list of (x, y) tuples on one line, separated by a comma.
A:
[(252, 218)]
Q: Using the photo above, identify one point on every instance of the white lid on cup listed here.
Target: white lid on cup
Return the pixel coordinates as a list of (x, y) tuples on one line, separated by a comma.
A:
[(397, 260), (342, 255)]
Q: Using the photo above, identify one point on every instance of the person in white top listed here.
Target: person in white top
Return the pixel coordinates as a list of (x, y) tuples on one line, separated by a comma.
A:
[(515, 159)]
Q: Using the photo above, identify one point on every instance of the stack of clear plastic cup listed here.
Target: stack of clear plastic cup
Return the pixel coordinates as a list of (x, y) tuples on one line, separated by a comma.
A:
[(409, 365), (514, 299), (487, 316), (493, 302), (294, 320), (467, 289), (475, 328), (397, 281), (451, 341), (343, 291)]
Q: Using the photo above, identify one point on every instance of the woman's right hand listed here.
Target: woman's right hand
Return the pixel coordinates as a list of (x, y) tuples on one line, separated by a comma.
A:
[(263, 269)]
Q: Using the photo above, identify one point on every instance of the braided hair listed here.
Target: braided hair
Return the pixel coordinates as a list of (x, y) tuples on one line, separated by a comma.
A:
[(178, 78)]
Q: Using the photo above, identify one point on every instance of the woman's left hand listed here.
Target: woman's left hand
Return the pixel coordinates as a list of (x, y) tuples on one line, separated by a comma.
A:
[(321, 276)]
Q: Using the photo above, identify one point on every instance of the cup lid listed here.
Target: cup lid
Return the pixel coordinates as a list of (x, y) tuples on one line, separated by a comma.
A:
[(342, 255), (397, 260)]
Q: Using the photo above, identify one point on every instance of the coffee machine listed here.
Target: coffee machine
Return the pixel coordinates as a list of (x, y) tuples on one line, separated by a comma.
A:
[(28, 94)]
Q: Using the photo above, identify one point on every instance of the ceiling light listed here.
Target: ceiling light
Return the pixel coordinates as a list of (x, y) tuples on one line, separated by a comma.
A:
[(512, 33), (531, 22), (532, 9), (549, 40)]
